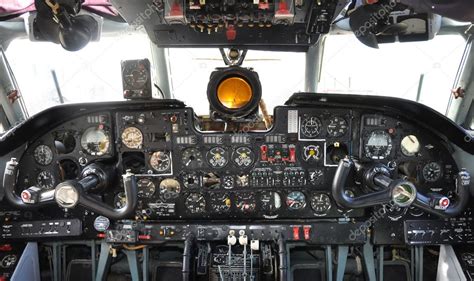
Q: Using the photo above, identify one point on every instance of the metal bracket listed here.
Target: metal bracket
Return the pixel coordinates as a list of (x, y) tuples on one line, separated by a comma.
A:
[(342, 252)]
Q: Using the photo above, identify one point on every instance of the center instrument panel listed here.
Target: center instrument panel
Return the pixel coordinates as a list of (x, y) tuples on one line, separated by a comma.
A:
[(185, 174)]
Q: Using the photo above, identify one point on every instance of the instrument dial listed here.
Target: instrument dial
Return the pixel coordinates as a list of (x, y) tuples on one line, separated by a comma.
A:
[(191, 180), (271, 201), (228, 182), (217, 157), (95, 141), (191, 158), (312, 153), (146, 188), (320, 203), (379, 145), (243, 157), (135, 75), (169, 189), (160, 161), (195, 203), (432, 172), (311, 126), (337, 127), (296, 200), (220, 202), (43, 155), (45, 180), (246, 202), (410, 145), (132, 137)]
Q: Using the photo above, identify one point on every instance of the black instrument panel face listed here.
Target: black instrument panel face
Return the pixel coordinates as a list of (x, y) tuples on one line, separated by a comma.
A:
[(283, 173)]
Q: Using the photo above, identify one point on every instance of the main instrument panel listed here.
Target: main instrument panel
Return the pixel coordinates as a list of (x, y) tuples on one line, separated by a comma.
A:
[(283, 173)]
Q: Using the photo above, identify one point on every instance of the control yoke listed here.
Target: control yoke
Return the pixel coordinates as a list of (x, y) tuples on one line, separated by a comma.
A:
[(71, 193), (400, 192)]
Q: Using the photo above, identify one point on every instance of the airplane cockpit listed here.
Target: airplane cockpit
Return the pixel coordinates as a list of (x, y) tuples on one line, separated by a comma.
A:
[(210, 159)]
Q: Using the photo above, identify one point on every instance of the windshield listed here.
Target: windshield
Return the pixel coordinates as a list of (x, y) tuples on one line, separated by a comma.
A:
[(420, 71)]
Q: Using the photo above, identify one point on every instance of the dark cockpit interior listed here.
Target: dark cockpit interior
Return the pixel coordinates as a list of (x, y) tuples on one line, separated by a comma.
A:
[(323, 187)]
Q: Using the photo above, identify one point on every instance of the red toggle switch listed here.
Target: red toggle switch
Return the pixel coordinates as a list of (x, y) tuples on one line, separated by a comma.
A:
[(307, 232), (231, 33), (263, 152), (292, 154), (6, 248), (296, 232), (144, 237)]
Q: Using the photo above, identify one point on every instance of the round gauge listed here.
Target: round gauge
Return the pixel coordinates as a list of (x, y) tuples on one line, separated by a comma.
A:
[(195, 203), (135, 75), (132, 137), (169, 189), (246, 202), (160, 161), (220, 202), (120, 200), (320, 203), (311, 126), (95, 141), (379, 145), (432, 172), (410, 145), (243, 157), (296, 200), (101, 223), (311, 153), (316, 177), (146, 188), (217, 157), (45, 180), (43, 154), (191, 180), (191, 158), (228, 182), (337, 127), (271, 201)]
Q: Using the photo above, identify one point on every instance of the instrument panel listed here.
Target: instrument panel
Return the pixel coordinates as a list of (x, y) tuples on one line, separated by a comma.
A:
[(283, 173)]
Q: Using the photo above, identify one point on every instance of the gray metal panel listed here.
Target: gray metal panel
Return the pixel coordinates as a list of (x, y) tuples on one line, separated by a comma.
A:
[(28, 266), (449, 268)]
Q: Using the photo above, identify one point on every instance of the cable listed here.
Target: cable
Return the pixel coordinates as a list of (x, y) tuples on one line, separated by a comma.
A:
[(133, 248)]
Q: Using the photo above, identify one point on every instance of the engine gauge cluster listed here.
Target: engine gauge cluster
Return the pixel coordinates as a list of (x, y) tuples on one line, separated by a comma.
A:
[(217, 157), (243, 157)]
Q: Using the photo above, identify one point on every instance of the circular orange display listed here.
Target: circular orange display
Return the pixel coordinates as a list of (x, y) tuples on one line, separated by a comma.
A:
[(234, 92)]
